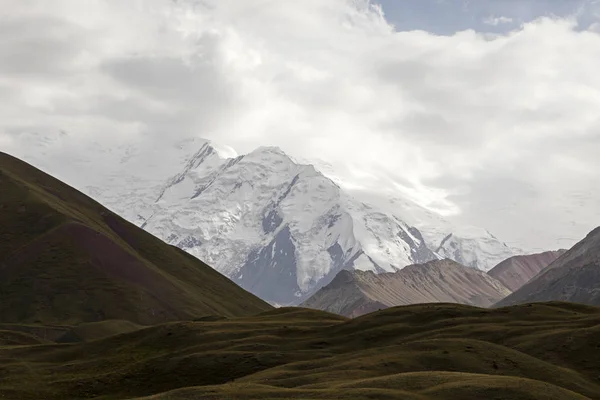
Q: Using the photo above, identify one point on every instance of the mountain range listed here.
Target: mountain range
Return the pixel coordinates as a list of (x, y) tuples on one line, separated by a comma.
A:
[(354, 293), (95, 307), (278, 228)]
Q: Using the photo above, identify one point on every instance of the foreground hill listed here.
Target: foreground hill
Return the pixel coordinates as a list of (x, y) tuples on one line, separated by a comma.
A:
[(574, 276), (518, 270), (354, 293), (66, 259), (421, 352)]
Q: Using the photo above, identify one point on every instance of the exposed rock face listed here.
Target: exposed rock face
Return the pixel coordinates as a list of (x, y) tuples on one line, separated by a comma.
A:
[(518, 270), (353, 293), (573, 277), (271, 270)]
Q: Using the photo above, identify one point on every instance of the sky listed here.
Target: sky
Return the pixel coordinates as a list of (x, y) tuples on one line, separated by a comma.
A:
[(483, 111), (446, 17)]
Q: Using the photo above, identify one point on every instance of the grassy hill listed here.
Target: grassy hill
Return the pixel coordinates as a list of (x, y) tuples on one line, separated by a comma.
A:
[(65, 259), (545, 351)]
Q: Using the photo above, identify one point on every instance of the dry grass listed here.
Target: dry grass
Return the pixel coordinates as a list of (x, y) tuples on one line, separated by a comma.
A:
[(435, 351)]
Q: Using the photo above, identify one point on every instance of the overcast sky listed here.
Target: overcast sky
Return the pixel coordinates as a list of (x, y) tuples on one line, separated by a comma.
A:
[(488, 111)]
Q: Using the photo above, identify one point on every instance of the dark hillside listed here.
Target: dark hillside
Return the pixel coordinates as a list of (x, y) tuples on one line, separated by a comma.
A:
[(432, 351), (65, 259)]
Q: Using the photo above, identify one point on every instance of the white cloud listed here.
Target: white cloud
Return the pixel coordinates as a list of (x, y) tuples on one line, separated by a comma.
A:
[(503, 130), (5, 141), (495, 21)]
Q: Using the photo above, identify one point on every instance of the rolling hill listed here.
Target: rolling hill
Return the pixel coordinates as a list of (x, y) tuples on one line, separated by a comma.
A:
[(573, 277), (422, 352), (65, 259), (354, 293)]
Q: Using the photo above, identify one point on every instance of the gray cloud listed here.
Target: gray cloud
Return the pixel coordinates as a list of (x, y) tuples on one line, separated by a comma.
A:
[(501, 131), (39, 46)]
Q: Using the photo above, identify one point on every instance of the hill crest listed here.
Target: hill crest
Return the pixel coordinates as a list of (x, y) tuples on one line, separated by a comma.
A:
[(64, 258)]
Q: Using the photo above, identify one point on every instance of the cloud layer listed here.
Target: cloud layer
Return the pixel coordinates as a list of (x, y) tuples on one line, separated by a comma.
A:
[(501, 131)]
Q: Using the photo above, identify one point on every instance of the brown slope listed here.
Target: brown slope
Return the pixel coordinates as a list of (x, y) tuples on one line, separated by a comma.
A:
[(354, 293), (574, 277), (65, 259), (518, 270)]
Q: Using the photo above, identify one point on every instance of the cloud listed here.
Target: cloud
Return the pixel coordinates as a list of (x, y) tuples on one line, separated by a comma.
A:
[(502, 131), (495, 21)]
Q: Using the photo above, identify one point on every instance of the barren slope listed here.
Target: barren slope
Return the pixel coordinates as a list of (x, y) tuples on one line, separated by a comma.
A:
[(574, 277), (518, 270), (357, 292)]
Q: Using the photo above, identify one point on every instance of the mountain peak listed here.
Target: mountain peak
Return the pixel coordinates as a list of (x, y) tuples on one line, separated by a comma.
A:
[(593, 233), (475, 248), (573, 277), (435, 281), (272, 150), (225, 152)]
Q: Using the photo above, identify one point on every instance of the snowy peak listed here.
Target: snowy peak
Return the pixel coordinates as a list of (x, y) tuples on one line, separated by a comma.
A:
[(482, 251), (199, 171), (205, 153), (279, 229), (270, 152)]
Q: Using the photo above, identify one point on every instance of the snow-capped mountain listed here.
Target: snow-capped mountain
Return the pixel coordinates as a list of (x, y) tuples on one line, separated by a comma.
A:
[(480, 250), (279, 228)]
